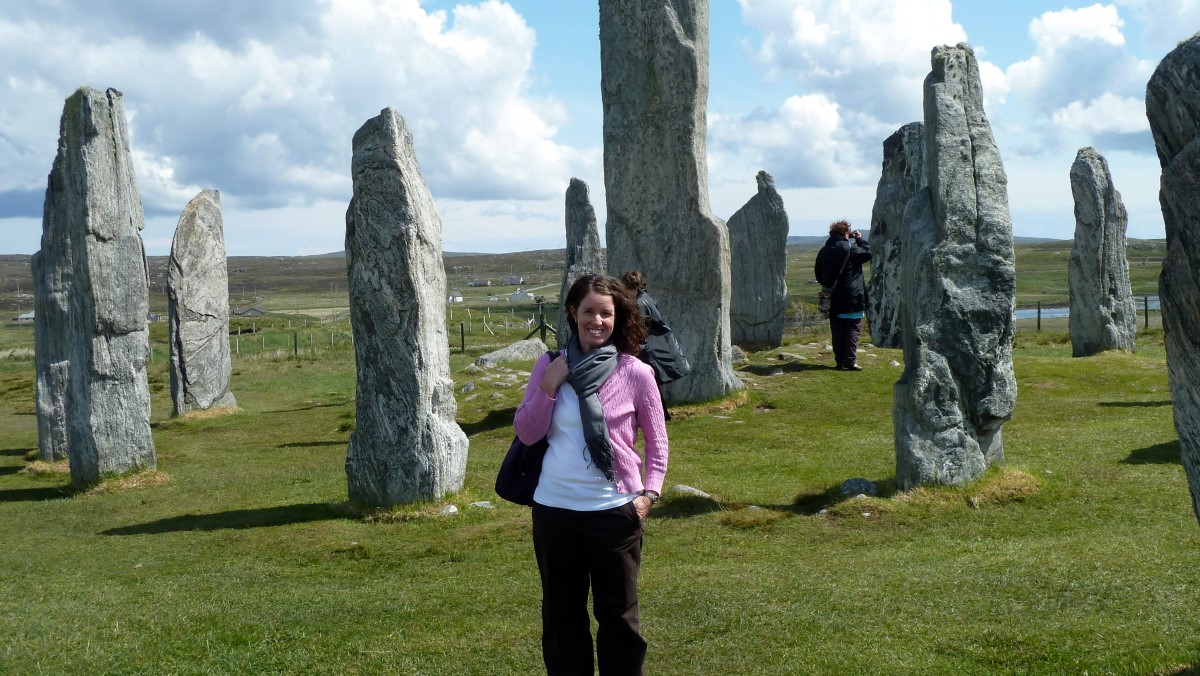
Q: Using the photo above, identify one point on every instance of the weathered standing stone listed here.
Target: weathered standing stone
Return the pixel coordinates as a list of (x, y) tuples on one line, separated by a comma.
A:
[(583, 250), (1103, 315), (758, 235), (903, 177), (94, 208), (958, 281), (406, 445), (51, 277), (654, 85), (198, 308), (1173, 107)]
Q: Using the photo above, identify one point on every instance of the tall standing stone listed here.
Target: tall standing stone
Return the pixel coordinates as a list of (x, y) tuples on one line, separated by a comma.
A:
[(654, 85), (406, 445), (1103, 315), (958, 281), (758, 235), (51, 277), (902, 177), (583, 250), (198, 308), (94, 210), (1173, 107)]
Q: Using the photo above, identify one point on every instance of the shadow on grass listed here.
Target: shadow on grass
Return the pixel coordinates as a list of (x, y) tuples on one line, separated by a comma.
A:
[(238, 519), (16, 451), (685, 506), (813, 503), (311, 444), (35, 494), (786, 367), (313, 406), (1158, 454), (492, 421), (1135, 404), (5, 471)]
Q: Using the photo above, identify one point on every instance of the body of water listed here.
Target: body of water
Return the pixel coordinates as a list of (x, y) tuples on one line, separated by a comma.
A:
[(1053, 312)]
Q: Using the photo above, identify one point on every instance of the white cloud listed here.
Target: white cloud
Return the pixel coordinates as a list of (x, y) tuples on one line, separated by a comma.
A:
[(268, 120), (1165, 22), (1107, 113)]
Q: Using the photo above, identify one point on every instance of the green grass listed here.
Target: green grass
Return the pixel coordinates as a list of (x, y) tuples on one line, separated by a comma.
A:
[(1078, 557)]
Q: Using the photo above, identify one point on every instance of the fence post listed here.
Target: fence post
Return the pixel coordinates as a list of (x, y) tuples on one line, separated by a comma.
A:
[(462, 337), (1146, 309), (1039, 315), (296, 344)]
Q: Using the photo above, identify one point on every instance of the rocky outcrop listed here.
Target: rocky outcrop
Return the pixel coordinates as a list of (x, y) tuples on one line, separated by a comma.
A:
[(406, 445), (583, 250), (654, 85), (198, 308), (903, 177), (1173, 107), (93, 212), (1103, 315), (958, 280), (51, 277), (758, 235)]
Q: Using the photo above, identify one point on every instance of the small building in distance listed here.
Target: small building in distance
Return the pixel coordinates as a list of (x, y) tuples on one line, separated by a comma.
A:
[(513, 280), (479, 282), (454, 298), (520, 296), (249, 312), (24, 318)]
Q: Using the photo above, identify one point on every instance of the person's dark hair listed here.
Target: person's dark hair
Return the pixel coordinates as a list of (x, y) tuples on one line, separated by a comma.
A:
[(628, 331), (634, 280), (839, 229)]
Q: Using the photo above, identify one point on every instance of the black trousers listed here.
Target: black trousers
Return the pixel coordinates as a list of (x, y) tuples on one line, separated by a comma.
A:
[(601, 550), (844, 334)]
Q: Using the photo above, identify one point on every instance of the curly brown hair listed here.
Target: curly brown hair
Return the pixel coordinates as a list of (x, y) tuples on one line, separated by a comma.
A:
[(628, 331), (634, 280), (839, 228)]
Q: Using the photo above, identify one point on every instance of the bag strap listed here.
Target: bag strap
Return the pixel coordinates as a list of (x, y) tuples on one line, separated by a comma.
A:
[(841, 269)]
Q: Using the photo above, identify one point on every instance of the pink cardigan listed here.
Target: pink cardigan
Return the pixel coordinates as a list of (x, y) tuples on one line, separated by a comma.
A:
[(631, 401)]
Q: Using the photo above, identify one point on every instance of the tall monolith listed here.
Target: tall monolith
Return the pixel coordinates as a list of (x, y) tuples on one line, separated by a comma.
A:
[(198, 308), (654, 85), (1103, 315), (1173, 107), (406, 445), (94, 209), (758, 235), (51, 276), (583, 250), (958, 288), (902, 177)]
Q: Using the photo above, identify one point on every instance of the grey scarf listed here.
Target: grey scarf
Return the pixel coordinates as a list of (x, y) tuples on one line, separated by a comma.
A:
[(588, 373)]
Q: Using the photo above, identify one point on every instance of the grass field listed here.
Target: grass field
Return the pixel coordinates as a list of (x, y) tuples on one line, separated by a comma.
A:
[(240, 556)]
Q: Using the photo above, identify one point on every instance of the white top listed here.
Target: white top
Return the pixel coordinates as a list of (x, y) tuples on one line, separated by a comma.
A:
[(570, 480)]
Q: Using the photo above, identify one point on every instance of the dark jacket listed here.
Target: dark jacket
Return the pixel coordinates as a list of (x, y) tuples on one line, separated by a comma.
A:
[(850, 291), (661, 350)]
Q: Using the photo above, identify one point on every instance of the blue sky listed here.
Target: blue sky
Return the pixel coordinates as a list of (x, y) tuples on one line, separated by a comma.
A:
[(260, 100)]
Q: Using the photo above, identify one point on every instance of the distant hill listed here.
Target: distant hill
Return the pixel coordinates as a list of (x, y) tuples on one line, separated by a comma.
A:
[(819, 240)]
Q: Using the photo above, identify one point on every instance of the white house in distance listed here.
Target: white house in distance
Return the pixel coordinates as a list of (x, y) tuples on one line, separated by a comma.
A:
[(454, 297), (24, 318), (521, 296), (513, 280)]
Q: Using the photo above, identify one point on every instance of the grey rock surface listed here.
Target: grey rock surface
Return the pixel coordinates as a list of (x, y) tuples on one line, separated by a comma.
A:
[(583, 250), (93, 207), (522, 350), (51, 277), (902, 177), (1173, 108), (857, 486), (198, 308), (758, 235), (406, 445), (958, 281), (654, 86), (1103, 314)]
